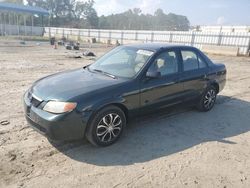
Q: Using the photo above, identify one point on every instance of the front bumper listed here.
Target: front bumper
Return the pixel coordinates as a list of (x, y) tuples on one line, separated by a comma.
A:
[(67, 126)]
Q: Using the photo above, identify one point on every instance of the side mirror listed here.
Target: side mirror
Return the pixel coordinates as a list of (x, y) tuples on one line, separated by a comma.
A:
[(153, 74)]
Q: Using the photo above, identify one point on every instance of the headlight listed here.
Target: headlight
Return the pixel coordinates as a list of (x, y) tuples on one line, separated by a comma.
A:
[(59, 107)]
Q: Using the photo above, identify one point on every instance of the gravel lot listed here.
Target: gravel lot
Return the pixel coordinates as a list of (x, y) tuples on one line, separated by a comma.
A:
[(178, 147)]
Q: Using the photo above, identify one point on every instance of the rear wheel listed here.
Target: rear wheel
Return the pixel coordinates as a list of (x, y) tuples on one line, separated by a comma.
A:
[(207, 99), (106, 127)]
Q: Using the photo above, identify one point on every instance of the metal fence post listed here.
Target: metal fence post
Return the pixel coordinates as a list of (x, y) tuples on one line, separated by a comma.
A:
[(4, 25), (25, 26), (17, 24), (32, 24), (110, 35), (99, 35), (121, 37), (136, 35), (88, 32), (152, 37), (248, 49), (219, 39), (1, 24), (49, 32), (192, 39), (79, 34), (171, 37)]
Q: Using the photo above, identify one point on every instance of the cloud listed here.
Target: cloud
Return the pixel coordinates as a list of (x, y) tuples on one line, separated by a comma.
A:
[(148, 6), (221, 20), (104, 7)]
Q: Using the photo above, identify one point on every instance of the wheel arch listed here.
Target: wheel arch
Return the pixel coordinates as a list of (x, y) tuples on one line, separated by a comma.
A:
[(216, 86), (116, 104)]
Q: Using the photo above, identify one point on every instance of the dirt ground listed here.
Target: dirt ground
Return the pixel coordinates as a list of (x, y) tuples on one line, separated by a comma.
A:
[(179, 147)]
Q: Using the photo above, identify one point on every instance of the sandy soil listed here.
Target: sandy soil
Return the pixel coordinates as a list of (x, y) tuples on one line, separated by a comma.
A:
[(178, 147)]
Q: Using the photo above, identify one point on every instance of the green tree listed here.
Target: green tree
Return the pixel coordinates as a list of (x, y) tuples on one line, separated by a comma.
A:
[(69, 12), (135, 20), (81, 14)]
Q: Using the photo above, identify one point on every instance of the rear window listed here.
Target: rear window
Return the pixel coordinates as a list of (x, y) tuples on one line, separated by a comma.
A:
[(191, 61)]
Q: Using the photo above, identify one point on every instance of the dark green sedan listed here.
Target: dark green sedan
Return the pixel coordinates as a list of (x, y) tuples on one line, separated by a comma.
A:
[(97, 100)]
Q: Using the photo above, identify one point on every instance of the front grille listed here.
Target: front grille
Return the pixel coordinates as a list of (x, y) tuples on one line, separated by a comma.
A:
[(34, 100)]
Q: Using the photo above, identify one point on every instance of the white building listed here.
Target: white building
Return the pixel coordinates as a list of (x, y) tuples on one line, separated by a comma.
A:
[(238, 29)]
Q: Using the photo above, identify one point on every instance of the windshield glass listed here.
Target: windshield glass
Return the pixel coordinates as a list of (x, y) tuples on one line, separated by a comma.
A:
[(122, 61)]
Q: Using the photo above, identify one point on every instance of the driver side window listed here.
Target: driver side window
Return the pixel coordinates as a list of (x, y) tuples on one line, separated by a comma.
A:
[(166, 63)]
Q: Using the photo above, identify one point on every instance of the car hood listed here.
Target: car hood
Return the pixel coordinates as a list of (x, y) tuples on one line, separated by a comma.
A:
[(67, 85)]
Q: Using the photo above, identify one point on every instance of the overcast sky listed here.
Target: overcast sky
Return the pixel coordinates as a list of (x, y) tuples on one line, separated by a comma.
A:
[(199, 12)]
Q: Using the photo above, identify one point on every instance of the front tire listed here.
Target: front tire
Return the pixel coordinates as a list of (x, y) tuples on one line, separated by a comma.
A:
[(207, 99), (106, 126)]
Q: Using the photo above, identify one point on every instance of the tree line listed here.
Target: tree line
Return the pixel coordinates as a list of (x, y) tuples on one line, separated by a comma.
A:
[(81, 14)]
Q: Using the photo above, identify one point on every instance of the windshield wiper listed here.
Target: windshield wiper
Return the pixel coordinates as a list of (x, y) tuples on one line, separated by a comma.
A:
[(105, 73)]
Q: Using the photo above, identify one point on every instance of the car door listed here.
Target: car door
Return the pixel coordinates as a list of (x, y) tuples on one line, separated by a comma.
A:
[(194, 73), (165, 89)]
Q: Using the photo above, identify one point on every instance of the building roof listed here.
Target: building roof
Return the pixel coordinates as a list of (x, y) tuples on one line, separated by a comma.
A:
[(23, 8)]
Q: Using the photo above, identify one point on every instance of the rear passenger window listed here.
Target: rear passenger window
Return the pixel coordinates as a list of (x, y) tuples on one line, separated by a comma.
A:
[(166, 63), (202, 63), (191, 61)]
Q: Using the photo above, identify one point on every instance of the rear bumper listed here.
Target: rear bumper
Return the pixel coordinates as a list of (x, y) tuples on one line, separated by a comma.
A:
[(67, 126)]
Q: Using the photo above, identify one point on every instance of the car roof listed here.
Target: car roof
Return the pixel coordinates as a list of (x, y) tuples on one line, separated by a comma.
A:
[(157, 46)]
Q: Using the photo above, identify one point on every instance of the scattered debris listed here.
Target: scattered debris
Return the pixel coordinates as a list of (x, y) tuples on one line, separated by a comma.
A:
[(12, 156), (68, 47), (73, 46), (21, 184), (52, 40), (77, 54), (23, 42), (76, 47), (25, 127), (88, 53), (60, 43), (108, 42), (117, 43), (93, 40), (53, 152), (5, 122)]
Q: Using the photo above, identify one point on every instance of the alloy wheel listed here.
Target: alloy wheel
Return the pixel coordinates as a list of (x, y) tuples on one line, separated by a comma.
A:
[(109, 127), (209, 99)]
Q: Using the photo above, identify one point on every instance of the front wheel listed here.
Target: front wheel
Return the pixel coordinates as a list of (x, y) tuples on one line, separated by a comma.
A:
[(106, 127), (207, 99)]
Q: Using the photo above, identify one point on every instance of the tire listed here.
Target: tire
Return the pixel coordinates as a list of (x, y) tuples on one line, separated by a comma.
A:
[(106, 127), (207, 100)]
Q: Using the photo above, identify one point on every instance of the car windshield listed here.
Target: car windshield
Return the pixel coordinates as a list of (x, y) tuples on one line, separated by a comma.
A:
[(122, 61)]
